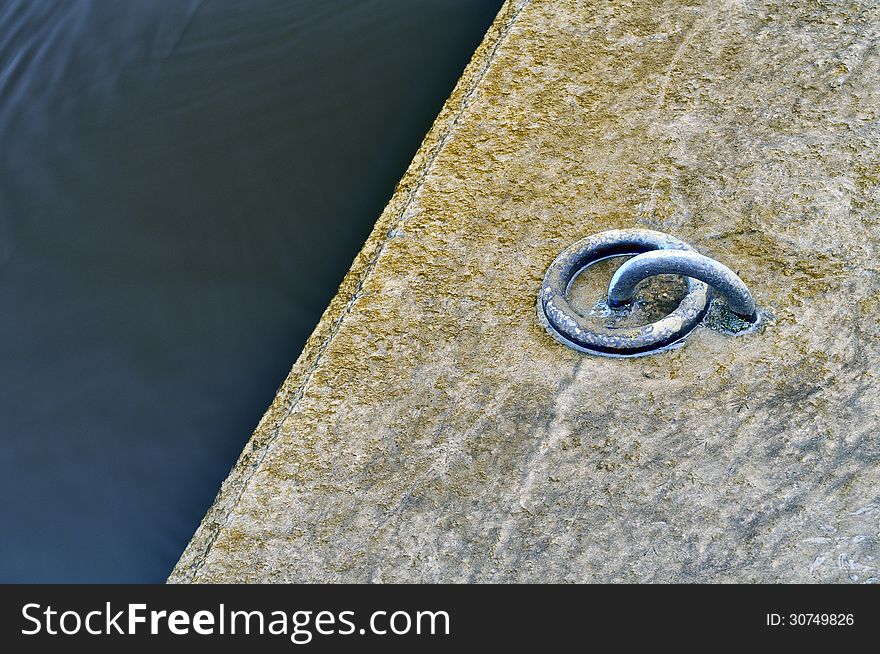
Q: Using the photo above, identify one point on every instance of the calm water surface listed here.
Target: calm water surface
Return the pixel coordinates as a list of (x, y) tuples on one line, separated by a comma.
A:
[(183, 185)]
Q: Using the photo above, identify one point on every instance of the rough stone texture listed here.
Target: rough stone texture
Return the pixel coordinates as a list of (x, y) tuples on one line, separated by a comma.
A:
[(432, 431)]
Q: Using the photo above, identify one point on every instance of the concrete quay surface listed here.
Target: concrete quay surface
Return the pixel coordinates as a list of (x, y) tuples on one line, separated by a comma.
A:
[(431, 430)]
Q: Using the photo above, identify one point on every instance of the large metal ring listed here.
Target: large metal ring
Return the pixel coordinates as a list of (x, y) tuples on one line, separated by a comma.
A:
[(570, 328)]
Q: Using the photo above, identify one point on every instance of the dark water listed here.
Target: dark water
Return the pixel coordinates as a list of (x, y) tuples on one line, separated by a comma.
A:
[(183, 185)]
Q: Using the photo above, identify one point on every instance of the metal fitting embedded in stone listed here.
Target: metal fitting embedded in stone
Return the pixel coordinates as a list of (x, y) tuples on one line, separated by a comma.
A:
[(653, 253)]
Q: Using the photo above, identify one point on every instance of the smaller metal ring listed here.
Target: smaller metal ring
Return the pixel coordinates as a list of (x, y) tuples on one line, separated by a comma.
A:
[(569, 327), (690, 264)]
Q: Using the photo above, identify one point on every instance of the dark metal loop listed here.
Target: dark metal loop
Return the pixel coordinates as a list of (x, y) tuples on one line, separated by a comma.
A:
[(570, 328), (690, 264)]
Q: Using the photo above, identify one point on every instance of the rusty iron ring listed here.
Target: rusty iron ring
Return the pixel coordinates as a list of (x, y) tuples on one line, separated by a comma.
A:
[(568, 327)]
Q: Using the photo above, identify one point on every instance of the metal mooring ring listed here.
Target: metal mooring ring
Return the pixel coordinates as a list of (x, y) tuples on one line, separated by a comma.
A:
[(682, 262), (569, 327)]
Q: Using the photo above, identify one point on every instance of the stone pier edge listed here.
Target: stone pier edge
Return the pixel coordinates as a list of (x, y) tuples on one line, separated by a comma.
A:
[(291, 389)]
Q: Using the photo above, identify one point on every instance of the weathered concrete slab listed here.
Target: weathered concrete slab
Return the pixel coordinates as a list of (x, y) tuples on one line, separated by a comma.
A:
[(432, 431)]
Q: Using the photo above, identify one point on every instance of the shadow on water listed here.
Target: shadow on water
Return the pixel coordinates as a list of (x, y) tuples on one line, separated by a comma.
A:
[(183, 185)]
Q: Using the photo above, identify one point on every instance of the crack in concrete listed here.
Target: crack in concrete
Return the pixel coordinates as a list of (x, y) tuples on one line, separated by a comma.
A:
[(527, 478)]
